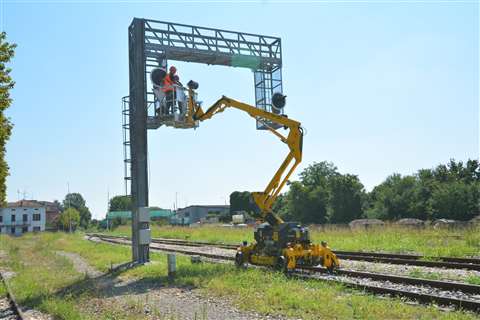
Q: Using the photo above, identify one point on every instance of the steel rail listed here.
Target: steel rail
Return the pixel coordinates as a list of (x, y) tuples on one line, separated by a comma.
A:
[(411, 262), (409, 256), (469, 305), (14, 307), (422, 297), (443, 285), (441, 262), (401, 259)]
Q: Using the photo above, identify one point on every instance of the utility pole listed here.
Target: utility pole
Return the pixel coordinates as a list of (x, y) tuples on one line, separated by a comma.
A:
[(108, 205), (69, 217), (176, 200)]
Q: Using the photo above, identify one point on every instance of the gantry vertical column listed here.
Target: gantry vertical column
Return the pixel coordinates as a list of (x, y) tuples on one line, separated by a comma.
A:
[(138, 138)]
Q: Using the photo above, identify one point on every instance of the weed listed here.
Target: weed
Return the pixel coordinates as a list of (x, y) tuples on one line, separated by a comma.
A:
[(473, 280), (419, 273), (429, 242), (38, 282)]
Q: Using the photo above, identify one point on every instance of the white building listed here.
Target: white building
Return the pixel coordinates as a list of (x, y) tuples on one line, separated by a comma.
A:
[(22, 216)]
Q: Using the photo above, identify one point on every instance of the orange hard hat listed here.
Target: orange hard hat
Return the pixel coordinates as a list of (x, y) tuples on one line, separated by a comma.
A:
[(173, 69)]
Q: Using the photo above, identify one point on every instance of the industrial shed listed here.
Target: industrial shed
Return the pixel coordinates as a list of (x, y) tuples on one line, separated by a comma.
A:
[(155, 215)]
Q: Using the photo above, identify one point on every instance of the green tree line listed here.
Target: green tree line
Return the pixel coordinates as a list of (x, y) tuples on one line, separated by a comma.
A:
[(324, 195), (7, 51)]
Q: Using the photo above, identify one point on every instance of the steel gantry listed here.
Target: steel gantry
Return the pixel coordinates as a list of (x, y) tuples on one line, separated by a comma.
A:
[(151, 44)]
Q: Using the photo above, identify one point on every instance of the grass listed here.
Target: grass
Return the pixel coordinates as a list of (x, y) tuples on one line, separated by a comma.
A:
[(473, 280), (419, 273), (3, 290), (428, 242), (41, 274), (205, 233), (39, 268)]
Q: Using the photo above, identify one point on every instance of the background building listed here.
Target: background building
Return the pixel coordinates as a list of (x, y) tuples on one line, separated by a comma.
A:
[(123, 216), (21, 217), (203, 214), (53, 211)]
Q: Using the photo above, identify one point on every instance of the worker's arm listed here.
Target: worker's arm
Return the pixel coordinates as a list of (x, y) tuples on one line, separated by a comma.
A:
[(264, 200)]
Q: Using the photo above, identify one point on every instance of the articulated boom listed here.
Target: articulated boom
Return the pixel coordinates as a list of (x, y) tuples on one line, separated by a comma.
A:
[(284, 245), (264, 200)]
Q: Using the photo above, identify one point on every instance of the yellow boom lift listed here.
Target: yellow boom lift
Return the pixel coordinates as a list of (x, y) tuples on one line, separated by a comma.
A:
[(283, 245)]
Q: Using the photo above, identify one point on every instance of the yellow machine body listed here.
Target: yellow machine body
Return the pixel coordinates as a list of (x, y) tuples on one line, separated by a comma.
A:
[(314, 253)]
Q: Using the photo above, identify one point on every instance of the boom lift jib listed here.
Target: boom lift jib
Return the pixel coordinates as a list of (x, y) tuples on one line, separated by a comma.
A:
[(284, 245), (151, 44)]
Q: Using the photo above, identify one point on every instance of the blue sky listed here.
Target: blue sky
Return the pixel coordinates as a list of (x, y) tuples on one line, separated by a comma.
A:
[(381, 87)]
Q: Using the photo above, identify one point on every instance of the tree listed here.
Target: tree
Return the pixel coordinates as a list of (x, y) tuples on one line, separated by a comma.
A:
[(75, 200), (280, 206), (307, 204), (456, 200), (394, 198), (118, 221), (308, 199), (69, 219), (346, 200), (57, 204), (318, 173), (120, 203), (7, 52), (241, 201), (449, 190)]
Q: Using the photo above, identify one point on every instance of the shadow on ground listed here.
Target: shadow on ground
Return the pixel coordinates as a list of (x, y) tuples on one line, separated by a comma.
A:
[(110, 285)]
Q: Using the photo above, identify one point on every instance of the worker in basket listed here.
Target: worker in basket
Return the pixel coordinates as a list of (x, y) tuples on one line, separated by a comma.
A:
[(169, 82)]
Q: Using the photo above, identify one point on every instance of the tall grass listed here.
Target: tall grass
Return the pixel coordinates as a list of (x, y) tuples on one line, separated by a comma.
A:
[(428, 241), (40, 274)]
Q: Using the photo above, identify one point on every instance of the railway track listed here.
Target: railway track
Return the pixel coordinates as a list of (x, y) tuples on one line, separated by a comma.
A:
[(459, 295), (399, 259), (9, 309)]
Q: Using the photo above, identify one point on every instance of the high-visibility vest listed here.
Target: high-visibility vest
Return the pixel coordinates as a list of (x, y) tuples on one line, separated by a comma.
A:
[(167, 84)]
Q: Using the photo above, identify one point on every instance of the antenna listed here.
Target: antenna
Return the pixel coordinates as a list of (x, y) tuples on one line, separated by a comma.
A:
[(68, 192), (176, 200)]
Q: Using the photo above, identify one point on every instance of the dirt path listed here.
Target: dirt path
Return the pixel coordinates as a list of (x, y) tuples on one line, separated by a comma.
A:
[(173, 303), (80, 265), (143, 299)]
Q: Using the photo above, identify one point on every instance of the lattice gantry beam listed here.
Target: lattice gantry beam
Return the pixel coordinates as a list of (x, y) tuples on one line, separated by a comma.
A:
[(211, 46)]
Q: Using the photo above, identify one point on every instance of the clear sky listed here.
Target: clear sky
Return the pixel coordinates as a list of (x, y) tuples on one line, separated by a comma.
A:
[(381, 87)]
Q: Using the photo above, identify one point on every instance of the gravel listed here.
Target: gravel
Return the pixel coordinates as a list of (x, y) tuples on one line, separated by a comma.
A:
[(406, 287), (156, 301), (173, 303), (35, 315), (449, 274), (6, 311), (458, 275), (205, 249), (452, 274)]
